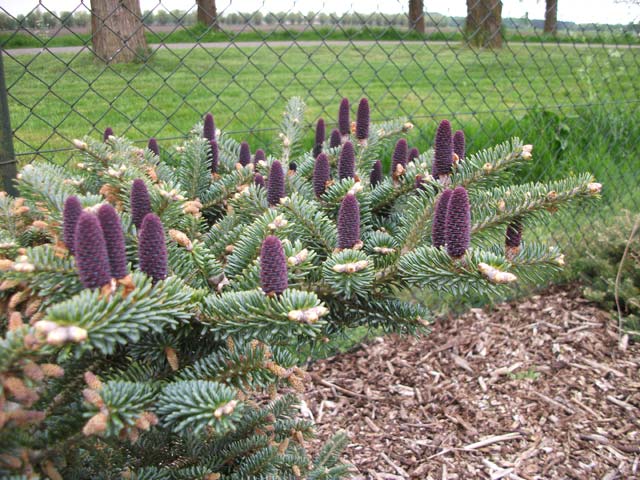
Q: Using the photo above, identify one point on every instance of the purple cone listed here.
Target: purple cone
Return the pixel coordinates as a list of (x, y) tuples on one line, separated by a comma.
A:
[(152, 248), (413, 154), (335, 140), (348, 222), (399, 155), (214, 156), (347, 161), (114, 240), (209, 129), (438, 227), (108, 132), (458, 224), (245, 154), (70, 215), (273, 266), (344, 124), (275, 184), (153, 146), (140, 202), (514, 234), (91, 255), (459, 144), (320, 137), (259, 180), (321, 174), (259, 156), (376, 174), (443, 157), (362, 120)]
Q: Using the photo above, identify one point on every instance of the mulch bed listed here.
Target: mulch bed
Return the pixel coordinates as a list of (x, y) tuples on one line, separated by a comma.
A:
[(535, 389)]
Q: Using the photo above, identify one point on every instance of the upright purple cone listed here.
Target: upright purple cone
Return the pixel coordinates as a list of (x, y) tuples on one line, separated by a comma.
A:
[(320, 138), (347, 161), (413, 154), (259, 156), (70, 214), (108, 132), (114, 240), (443, 156), (400, 154), (152, 248), (348, 222), (273, 266), (344, 124), (209, 129), (513, 238), (438, 226), (214, 156), (153, 146), (245, 154), (362, 120), (458, 224), (459, 144), (91, 255), (275, 184), (376, 174), (321, 174), (335, 139), (140, 202), (259, 180)]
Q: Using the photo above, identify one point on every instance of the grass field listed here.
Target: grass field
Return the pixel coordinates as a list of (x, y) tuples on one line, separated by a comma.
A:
[(578, 106), (199, 33)]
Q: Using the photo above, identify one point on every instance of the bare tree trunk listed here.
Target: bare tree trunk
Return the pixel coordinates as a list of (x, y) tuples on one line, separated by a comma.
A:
[(551, 17), (484, 23), (416, 15), (117, 30), (207, 13)]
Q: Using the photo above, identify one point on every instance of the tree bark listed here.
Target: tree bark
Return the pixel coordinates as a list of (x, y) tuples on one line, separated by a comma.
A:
[(207, 13), (416, 15), (117, 30), (551, 17), (484, 23)]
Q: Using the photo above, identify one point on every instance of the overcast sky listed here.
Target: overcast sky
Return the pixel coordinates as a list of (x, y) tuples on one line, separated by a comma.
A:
[(581, 11)]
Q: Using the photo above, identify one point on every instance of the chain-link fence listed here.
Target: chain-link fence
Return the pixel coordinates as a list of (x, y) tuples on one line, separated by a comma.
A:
[(148, 70)]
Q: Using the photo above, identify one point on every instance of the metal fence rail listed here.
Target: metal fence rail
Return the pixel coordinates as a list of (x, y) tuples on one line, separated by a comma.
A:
[(244, 67)]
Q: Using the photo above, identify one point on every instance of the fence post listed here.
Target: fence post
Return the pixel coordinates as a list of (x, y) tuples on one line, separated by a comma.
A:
[(7, 157)]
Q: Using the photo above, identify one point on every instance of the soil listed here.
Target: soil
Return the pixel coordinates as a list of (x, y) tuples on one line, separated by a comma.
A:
[(541, 388)]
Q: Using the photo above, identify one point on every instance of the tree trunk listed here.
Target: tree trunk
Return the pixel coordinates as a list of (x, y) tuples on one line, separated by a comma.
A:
[(117, 30), (484, 23), (416, 15), (551, 17), (207, 13)]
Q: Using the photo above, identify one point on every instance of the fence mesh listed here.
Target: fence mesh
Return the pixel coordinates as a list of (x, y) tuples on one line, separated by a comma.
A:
[(574, 93)]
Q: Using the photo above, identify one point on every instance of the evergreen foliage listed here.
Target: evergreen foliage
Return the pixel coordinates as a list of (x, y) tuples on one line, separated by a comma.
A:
[(167, 346)]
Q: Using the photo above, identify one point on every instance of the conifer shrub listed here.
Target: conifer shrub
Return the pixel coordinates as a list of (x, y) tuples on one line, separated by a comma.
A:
[(152, 306)]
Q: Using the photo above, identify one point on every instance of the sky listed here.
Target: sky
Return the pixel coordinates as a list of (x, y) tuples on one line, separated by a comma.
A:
[(579, 11)]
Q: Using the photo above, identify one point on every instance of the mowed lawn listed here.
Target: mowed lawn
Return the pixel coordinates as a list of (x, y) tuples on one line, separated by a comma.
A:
[(56, 98)]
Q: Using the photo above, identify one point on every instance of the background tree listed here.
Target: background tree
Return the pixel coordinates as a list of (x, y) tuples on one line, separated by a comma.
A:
[(416, 15), (117, 30), (207, 13), (551, 17), (484, 22)]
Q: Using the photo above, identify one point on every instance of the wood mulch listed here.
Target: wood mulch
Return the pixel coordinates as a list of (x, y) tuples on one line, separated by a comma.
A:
[(535, 389)]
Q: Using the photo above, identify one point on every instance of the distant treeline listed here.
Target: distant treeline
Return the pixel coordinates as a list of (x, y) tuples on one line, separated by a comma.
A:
[(46, 20)]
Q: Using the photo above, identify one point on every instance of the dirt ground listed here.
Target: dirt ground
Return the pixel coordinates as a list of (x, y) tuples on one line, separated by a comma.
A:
[(536, 389)]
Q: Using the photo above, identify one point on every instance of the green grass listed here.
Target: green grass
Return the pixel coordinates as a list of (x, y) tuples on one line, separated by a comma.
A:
[(247, 88), (200, 33)]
